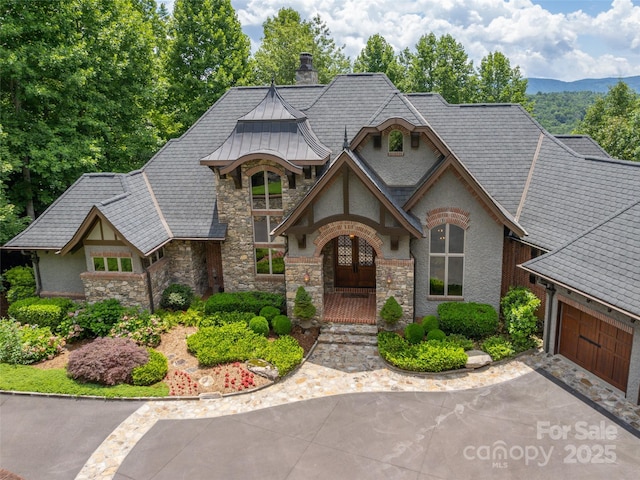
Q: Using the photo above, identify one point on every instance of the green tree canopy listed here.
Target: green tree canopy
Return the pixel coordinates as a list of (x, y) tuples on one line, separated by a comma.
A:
[(441, 65), (75, 78), (285, 36), (207, 54), (499, 83), (614, 122), (378, 56)]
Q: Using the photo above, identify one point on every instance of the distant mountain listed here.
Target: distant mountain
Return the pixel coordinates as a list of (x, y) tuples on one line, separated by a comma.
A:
[(599, 85)]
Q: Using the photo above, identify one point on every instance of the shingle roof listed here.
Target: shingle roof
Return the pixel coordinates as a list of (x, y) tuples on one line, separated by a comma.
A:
[(604, 262), (584, 145), (55, 227)]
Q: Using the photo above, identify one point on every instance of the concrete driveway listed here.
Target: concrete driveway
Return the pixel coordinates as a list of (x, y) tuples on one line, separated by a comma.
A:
[(525, 428)]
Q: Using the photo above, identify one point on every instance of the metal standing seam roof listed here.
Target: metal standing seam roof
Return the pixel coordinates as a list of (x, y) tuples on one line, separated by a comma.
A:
[(603, 263)]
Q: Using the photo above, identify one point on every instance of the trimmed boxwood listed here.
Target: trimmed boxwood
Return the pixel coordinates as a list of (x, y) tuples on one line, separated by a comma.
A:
[(414, 333), (281, 325), (44, 312), (430, 322), (436, 334), (243, 302), (473, 320), (224, 318), (259, 325)]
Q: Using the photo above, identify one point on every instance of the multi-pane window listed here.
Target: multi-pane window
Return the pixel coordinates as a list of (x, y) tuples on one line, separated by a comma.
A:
[(267, 213), (112, 264), (446, 260), (396, 142), (153, 258)]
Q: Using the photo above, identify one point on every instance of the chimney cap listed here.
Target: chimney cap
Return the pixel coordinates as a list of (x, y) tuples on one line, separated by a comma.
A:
[(306, 61)]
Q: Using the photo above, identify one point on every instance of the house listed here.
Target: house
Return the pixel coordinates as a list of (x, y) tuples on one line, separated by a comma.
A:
[(354, 188)]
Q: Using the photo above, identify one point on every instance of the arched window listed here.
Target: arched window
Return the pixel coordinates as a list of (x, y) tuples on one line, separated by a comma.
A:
[(266, 213), (396, 142), (446, 260)]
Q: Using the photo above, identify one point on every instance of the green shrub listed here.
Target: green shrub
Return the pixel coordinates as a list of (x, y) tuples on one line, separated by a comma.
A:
[(227, 343), (303, 307), (10, 342), (281, 325), (285, 353), (414, 333), (436, 334), (142, 328), (259, 325), (243, 302), (224, 318), (151, 372), (25, 344), (391, 311), (176, 297), (519, 307), (107, 361), (188, 318), (99, 318), (430, 322), (269, 312), (44, 312), (429, 356), (498, 347), (473, 320), (460, 341), (22, 283)]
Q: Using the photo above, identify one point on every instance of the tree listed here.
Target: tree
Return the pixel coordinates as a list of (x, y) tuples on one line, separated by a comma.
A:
[(379, 56), (75, 79), (207, 54), (441, 65), (499, 83), (285, 37), (614, 122)]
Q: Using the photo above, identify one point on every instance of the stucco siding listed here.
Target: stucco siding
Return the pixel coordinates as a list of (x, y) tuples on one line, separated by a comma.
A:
[(60, 275), (483, 246), (399, 170)]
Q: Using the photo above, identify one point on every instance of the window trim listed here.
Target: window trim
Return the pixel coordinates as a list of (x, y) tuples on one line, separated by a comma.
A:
[(446, 255), (269, 213), (105, 261)]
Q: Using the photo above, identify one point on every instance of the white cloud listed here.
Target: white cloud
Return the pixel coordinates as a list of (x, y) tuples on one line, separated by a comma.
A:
[(566, 46)]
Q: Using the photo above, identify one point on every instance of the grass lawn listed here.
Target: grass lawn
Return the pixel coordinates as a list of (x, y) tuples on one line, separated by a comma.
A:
[(23, 378)]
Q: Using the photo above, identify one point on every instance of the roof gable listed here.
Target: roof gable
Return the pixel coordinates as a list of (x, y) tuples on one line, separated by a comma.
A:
[(348, 159)]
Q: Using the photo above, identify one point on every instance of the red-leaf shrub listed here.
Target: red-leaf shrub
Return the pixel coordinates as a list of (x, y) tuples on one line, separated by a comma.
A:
[(108, 361)]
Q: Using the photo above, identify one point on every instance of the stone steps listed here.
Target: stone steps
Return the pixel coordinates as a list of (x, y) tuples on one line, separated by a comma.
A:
[(348, 334)]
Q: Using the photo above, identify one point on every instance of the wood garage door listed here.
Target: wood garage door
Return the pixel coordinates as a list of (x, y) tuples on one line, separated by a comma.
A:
[(596, 345)]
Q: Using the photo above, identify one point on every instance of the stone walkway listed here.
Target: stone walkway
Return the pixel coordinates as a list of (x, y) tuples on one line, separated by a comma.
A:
[(337, 368)]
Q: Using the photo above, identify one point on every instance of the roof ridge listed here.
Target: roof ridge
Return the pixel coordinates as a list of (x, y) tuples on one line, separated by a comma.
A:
[(527, 183)]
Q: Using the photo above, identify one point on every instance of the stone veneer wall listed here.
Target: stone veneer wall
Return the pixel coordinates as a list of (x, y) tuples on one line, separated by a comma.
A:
[(129, 288), (234, 209), (328, 269), (160, 276), (401, 273), (295, 270), (188, 264)]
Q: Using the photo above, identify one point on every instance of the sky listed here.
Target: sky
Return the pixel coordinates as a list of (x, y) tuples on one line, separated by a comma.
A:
[(560, 39)]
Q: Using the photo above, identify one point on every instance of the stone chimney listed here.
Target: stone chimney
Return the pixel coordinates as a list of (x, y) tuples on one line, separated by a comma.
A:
[(306, 74)]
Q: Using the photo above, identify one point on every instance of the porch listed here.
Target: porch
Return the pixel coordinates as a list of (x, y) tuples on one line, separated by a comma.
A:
[(350, 305)]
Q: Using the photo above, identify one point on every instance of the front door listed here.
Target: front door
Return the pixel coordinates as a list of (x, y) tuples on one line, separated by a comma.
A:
[(355, 263)]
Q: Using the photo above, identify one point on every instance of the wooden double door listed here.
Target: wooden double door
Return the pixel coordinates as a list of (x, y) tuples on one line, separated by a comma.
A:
[(596, 345), (355, 265)]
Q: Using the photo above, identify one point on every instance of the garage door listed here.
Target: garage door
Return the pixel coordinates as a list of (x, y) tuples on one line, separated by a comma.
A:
[(596, 345)]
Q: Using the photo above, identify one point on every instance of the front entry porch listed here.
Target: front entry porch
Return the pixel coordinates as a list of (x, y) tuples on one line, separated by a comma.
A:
[(350, 305)]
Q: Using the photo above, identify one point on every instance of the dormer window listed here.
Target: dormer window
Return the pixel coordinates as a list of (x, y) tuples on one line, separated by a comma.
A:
[(396, 142)]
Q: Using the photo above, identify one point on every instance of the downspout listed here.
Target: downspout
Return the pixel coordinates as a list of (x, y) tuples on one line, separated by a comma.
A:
[(550, 291), (35, 260), (150, 290)]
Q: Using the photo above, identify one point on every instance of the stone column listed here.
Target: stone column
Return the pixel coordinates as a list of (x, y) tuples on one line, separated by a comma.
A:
[(395, 278), (297, 269)]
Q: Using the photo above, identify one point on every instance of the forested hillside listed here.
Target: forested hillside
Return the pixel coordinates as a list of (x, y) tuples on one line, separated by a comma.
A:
[(561, 112)]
